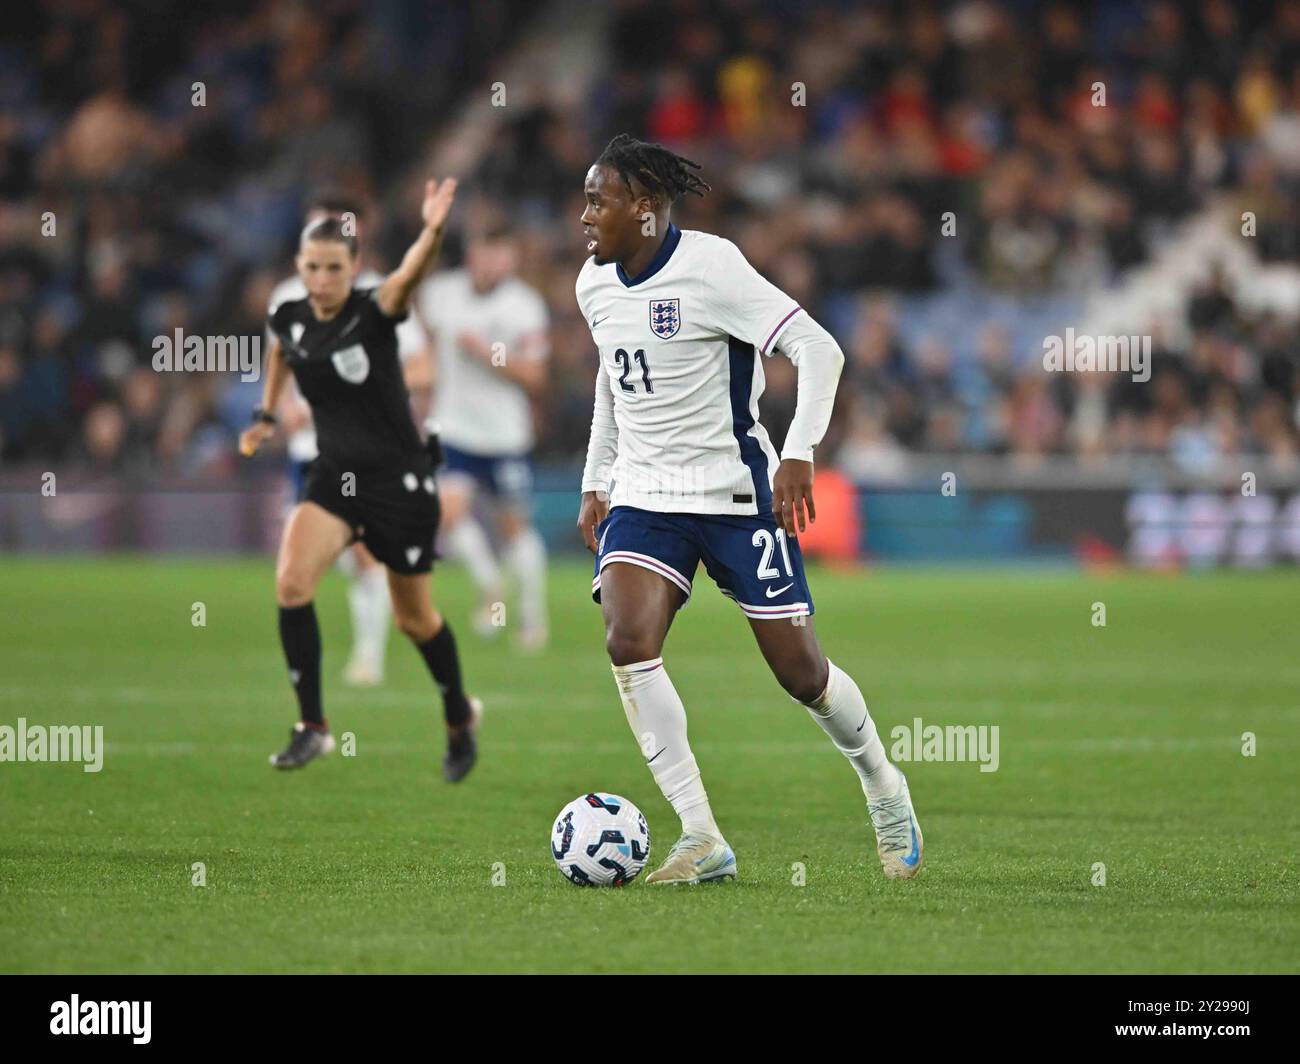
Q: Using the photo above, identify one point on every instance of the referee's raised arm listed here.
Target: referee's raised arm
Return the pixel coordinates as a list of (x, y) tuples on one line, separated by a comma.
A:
[(394, 295)]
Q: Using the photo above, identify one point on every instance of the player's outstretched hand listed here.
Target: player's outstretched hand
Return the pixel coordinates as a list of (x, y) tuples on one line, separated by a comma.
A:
[(253, 437), (437, 202), (594, 509), (791, 492)]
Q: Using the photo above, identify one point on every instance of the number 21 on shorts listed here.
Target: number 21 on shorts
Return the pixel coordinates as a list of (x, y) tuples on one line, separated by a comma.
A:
[(763, 538)]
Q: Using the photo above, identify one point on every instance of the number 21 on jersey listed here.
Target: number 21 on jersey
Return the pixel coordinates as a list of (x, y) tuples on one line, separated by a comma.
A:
[(626, 360)]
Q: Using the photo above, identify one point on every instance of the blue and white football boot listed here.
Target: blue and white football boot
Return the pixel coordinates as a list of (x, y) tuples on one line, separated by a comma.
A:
[(898, 835), (696, 858)]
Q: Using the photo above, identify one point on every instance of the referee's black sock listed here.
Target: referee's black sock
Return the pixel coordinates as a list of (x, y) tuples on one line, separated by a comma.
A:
[(440, 655), (300, 637)]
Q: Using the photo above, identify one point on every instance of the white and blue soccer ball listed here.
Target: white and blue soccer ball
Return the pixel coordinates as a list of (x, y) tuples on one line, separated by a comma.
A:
[(600, 840)]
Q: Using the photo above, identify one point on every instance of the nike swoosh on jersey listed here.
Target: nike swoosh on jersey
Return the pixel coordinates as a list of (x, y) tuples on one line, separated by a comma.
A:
[(598, 321), (772, 594)]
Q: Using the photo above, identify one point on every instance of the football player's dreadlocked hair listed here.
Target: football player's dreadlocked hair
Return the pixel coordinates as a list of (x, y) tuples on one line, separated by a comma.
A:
[(664, 175)]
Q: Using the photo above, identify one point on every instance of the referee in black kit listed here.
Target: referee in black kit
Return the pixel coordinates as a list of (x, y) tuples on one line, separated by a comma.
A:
[(374, 479)]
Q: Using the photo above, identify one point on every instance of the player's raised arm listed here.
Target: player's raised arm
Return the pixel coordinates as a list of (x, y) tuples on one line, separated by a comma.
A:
[(263, 427), (819, 360), (602, 449), (394, 295)]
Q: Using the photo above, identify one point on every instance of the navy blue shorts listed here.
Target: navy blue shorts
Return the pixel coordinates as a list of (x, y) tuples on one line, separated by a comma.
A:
[(507, 477), (749, 558)]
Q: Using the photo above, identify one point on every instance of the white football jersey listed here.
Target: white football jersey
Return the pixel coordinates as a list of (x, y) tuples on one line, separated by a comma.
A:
[(410, 342), (476, 407), (680, 345)]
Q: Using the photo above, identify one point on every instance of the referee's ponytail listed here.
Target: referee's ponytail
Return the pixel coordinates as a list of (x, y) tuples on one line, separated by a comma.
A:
[(331, 230)]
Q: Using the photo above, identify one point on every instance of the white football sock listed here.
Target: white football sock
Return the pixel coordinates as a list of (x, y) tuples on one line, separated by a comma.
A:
[(347, 563), (526, 556), (842, 713), (468, 543), (370, 606), (658, 721)]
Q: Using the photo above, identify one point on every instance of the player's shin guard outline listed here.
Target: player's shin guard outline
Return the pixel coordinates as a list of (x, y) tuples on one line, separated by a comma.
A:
[(657, 718), (835, 710)]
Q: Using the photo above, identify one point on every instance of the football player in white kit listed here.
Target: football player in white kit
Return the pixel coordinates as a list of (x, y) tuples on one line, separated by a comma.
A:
[(489, 331), (368, 600), (680, 471)]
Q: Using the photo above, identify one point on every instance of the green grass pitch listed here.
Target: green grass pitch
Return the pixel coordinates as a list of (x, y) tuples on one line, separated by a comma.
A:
[(1119, 744)]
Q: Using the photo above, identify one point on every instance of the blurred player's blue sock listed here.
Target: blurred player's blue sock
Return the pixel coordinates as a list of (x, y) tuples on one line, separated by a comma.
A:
[(300, 637), (842, 713), (658, 721)]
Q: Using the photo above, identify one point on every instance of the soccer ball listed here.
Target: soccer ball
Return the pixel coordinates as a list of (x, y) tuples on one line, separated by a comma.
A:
[(600, 840)]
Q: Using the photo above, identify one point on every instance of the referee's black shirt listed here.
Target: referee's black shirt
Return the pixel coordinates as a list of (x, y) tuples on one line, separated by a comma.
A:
[(348, 369)]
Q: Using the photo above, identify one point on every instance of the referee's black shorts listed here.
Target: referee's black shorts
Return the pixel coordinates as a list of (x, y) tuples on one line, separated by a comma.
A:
[(394, 510)]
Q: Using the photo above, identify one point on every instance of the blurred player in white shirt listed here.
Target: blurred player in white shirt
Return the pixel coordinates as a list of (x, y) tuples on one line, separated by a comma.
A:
[(489, 332), (368, 600)]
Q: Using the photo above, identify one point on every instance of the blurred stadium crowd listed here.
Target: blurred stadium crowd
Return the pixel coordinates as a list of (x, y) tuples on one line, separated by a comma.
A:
[(836, 137)]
